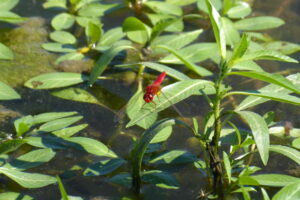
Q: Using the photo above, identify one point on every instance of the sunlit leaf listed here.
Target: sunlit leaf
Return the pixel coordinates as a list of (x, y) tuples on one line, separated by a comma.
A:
[(285, 48), (5, 52), (55, 4), (164, 7), (162, 135), (231, 33), (28, 180), (62, 21), (63, 37), (93, 33), (31, 159), (8, 4), (240, 50), (59, 124), (69, 56), (296, 143), (136, 30), (240, 10), (267, 55), (96, 9), (217, 28), (260, 133), (15, 196), (55, 80), (274, 180), (70, 131), (265, 194), (160, 26), (247, 65), (289, 192), (45, 117), (202, 6), (91, 146), (258, 23), (109, 38), (58, 47), (180, 2), (172, 94), (160, 179), (8, 93), (10, 17), (287, 151)]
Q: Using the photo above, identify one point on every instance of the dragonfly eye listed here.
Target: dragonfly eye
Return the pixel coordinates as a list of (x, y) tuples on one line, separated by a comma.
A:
[(148, 97)]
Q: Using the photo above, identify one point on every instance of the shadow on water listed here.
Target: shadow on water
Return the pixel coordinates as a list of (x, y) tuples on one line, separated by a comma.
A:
[(113, 94)]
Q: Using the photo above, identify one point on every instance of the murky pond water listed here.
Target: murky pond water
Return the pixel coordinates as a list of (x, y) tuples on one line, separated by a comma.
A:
[(31, 60)]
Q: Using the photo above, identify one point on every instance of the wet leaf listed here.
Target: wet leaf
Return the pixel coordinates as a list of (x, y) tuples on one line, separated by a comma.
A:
[(63, 37), (218, 29), (287, 151), (172, 94), (103, 167), (289, 192), (258, 23), (28, 180), (160, 179), (59, 124), (260, 133), (31, 159), (62, 21), (55, 80), (276, 79), (91, 146), (5, 52), (8, 93)]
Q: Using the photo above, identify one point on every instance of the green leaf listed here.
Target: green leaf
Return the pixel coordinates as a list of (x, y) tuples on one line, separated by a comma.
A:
[(267, 55), (123, 179), (84, 21), (55, 4), (28, 180), (240, 10), (70, 131), (177, 41), (172, 94), (287, 151), (240, 50), (46, 142), (93, 33), (109, 38), (289, 192), (10, 145), (62, 21), (136, 103), (69, 56), (227, 166), (276, 79), (296, 143), (258, 23), (8, 93), (180, 2), (6, 5), (5, 52), (96, 9), (231, 33), (160, 26), (160, 179), (274, 180), (162, 135), (197, 69), (10, 17), (136, 30), (23, 124), (218, 29), (265, 194), (103, 167), (164, 8), (247, 65), (176, 26), (32, 159), (103, 62), (163, 68), (76, 94), (57, 47), (54, 80), (285, 48), (193, 53), (260, 133), (255, 100), (63, 37), (46, 117), (174, 157), (91, 146), (62, 189), (14, 196), (59, 124), (202, 5)]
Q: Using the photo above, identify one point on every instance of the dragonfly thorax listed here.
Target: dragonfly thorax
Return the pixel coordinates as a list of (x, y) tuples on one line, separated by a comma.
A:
[(148, 97)]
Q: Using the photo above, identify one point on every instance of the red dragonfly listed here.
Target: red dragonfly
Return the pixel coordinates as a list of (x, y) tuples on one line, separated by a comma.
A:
[(154, 88)]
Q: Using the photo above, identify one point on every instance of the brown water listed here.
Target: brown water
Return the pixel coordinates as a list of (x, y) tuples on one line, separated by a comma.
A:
[(114, 94)]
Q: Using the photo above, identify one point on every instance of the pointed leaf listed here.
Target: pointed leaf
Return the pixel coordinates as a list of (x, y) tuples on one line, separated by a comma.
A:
[(274, 180), (202, 5), (46, 117), (28, 180), (267, 55), (240, 50), (260, 133), (231, 33), (62, 189), (164, 7), (5, 52), (55, 80), (285, 48), (287, 151), (70, 131), (59, 124), (162, 135), (8, 4), (289, 192), (258, 23), (8, 93)]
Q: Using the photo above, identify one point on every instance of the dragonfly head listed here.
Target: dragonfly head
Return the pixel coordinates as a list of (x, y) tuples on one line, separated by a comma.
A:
[(148, 97)]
